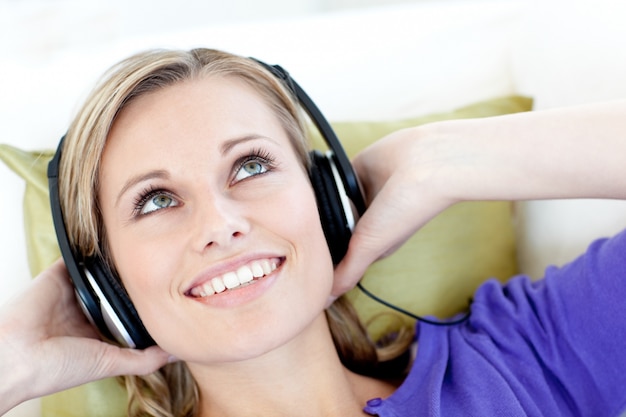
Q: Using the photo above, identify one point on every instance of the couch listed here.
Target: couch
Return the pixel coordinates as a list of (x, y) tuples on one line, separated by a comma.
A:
[(387, 65)]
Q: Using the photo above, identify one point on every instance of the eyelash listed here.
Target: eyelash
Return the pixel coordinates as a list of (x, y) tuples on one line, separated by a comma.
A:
[(146, 195), (256, 155)]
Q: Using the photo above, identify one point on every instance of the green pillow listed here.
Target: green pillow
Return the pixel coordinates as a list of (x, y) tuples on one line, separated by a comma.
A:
[(41, 240), (434, 273)]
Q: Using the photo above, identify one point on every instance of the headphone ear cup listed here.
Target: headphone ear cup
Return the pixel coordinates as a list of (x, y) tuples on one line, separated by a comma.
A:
[(329, 204), (120, 315)]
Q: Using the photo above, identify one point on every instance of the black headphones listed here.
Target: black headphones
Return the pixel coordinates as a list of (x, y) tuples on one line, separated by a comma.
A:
[(100, 293)]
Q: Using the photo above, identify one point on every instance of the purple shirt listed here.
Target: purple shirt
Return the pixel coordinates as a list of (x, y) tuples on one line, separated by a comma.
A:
[(554, 347)]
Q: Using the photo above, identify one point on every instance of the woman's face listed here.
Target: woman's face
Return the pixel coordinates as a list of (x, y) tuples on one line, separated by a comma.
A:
[(212, 222)]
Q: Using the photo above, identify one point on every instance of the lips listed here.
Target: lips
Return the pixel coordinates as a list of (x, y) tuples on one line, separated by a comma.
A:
[(243, 275)]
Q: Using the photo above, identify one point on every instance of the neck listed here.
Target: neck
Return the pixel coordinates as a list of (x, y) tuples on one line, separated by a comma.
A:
[(304, 377)]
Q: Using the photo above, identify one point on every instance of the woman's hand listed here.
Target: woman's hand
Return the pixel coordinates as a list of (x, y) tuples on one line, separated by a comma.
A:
[(396, 175), (47, 344)]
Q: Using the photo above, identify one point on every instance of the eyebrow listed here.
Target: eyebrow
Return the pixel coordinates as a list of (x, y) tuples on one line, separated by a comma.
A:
[(156, 174), (231, 143)]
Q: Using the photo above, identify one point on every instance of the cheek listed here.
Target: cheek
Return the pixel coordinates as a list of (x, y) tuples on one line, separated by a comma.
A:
[(299, 218), (301, 222), (145, 272), (145, 266), (147, 275)]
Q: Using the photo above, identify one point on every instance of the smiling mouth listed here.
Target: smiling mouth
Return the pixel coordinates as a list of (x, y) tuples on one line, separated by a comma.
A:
[(243, 276)]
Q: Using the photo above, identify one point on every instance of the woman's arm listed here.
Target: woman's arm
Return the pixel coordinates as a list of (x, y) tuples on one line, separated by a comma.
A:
[(47, 345), (412, 175), (576, 152)]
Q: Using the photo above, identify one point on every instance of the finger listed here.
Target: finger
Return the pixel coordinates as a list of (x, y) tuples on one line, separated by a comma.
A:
[(135, 362), (368, 244), (111, 361), (77, 362), (53, 289), (392, 218)]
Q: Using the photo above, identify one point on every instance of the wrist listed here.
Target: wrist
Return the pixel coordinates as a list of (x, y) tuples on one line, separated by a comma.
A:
[(469, 160), (437, 161), (14, 387)]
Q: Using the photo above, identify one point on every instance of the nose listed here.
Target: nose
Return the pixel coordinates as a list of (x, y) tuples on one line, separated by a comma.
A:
[(218, 221)]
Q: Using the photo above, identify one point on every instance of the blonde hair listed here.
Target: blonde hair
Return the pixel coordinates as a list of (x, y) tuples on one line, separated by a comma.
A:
[(172, 391)]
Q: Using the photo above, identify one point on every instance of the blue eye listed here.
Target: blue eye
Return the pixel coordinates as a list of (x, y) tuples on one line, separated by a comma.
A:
[(250, 169), (155, 200), (255, 163)]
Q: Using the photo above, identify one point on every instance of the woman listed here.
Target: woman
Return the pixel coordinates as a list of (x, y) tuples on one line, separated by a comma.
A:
[(197, 178), (196, 171)]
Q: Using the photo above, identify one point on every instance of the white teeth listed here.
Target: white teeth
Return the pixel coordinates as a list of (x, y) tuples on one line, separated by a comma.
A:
[(244, 274), (207, 289), (218, 284), (257, 270), (230, 280), (267, 268)]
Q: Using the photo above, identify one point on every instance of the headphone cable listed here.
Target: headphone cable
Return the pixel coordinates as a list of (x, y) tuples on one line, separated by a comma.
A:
[(412, 315)]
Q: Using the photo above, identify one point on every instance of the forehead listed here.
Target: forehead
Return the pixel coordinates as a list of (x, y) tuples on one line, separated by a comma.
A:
[(214, 95), (211, 106)]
